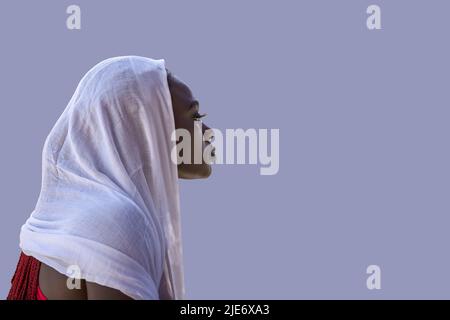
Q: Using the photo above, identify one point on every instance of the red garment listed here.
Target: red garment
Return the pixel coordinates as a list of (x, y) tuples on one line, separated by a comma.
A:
[(25, 282), (40, 295)]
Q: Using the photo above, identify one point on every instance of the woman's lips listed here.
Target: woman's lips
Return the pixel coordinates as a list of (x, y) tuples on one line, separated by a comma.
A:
[(213, 150)]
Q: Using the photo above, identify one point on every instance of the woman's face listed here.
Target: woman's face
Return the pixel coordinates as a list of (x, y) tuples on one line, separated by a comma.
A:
[(187, 115)]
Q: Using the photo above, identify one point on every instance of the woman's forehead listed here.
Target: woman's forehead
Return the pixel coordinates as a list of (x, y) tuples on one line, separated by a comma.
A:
[(181, 91)]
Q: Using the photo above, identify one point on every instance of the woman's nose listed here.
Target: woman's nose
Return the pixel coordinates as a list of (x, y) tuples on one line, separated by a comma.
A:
[(210, 135)]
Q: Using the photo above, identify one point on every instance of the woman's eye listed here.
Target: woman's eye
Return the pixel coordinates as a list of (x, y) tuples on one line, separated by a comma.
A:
[(198, 116)]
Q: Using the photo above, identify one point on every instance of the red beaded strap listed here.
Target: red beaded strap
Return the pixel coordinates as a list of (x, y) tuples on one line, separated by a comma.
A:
[(25, 282)]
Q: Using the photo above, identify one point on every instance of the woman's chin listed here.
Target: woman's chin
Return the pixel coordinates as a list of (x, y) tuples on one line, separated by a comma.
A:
[(194, 171)]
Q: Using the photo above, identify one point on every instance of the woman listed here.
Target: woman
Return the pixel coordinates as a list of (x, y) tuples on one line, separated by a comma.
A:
[(107, 222)]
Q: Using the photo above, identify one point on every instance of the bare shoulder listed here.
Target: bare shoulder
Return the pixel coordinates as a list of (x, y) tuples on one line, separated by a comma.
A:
[(54, 286), (99, 292)]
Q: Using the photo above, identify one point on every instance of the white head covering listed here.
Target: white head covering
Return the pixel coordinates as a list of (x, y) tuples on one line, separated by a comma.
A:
[(109, 201)]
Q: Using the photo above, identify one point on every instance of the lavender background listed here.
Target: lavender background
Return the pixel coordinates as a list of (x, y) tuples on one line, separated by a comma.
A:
[(363, 118)]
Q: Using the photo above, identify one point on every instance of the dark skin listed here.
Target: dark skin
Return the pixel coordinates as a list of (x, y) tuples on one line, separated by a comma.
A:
[(186, 111)]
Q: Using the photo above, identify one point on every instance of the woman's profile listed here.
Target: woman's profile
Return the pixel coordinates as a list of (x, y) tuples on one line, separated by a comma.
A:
[(106, 224)]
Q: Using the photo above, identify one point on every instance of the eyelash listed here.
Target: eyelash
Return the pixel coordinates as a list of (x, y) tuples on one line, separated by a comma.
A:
[(198, 116)]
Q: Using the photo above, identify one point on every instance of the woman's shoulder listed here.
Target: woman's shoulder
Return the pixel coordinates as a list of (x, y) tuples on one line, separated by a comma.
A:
[(54, 286)]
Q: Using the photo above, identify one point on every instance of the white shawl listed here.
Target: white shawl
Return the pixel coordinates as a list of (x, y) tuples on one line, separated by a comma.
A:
[(109, 200)]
